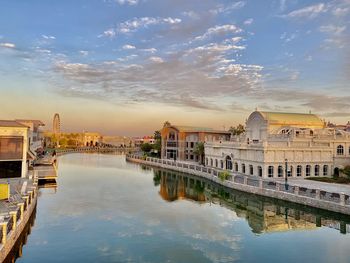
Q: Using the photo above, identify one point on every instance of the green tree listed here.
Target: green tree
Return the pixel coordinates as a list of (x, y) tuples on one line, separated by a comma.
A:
[(239, 129), (199, 150), (146, 147), (63, 142), (157, 146)]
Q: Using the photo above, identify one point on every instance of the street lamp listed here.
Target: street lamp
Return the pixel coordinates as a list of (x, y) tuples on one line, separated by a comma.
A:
[(286, 174)]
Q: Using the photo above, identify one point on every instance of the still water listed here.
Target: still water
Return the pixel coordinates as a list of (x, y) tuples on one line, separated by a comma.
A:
[(107, 210)]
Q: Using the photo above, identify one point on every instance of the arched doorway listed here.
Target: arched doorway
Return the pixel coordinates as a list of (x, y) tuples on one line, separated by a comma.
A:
[(228, 161), (336, 172)]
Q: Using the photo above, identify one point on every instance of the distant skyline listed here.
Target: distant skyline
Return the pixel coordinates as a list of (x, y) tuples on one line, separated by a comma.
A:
[(123, 67)]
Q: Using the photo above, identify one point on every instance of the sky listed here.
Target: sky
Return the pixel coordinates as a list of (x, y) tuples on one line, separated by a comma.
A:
[(124, 67)]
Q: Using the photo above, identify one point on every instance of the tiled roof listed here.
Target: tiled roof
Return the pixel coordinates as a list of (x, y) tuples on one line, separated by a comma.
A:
[(292, 118)]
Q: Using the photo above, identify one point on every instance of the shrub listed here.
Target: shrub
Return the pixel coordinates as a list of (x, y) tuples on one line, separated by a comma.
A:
[(224, 175)]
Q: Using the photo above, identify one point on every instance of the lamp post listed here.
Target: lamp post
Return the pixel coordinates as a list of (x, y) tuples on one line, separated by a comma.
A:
[(286, 174)]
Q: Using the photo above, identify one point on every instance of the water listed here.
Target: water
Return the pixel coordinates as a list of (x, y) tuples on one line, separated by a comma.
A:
[(107, 210)]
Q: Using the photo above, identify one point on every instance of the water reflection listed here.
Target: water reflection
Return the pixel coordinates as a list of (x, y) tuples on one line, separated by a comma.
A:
[(103, 209), (263, 214)]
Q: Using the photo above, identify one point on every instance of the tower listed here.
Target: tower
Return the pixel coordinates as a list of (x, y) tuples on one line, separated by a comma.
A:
[(56, 127)]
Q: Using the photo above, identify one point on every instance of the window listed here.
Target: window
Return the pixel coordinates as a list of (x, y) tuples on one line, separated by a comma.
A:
[(270, 171), (280, 171), (340, 150), (260, 171), (191, 156), (222, 164), (317, 170), (187, 144), (216, 163), (308, 170), (206, 161), (299, 170), (251, 170), (243, 168), (325, 170), (11, 148), (211, 162), (192, 144), (236, 167), (290, 171)]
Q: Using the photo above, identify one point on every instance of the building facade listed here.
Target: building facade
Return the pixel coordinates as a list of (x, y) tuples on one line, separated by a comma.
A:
[(179, 142), (91, 139), (35, 134), (14, 146), (274, 141)]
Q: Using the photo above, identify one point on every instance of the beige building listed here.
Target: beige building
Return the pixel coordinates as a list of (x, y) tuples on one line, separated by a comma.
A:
[(179, 142), (14, 145), (35, 134), (272, 140), (91, 139)]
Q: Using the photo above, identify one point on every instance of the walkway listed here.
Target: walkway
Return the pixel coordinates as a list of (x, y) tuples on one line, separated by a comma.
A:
[(332, 188)]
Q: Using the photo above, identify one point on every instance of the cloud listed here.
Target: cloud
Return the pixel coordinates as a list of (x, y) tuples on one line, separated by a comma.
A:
[(48, 37), (128, 47), (84, 53), (128, 2), (7, 45), (109, 33), (249, 21), (156, 59), (151, 50), (332, 29), (308, 12), (144, 22), (340, 11), (228, 8), (219, 30)]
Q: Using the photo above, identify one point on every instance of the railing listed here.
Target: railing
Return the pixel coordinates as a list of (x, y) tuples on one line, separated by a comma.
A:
[(256, 182)]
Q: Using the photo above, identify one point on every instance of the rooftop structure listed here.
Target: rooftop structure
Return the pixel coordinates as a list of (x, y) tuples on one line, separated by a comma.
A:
[(56, 127)]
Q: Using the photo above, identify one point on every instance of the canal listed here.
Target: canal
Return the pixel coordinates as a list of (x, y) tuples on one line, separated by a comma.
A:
[(104, 209)]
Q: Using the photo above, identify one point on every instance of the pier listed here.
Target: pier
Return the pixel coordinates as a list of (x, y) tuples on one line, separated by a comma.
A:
[(319, 198)]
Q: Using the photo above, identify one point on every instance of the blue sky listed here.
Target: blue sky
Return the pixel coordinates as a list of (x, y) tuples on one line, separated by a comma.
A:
[(200, 62)]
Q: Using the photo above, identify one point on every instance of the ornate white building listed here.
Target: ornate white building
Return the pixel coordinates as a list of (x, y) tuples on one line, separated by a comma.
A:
[(273, 139)]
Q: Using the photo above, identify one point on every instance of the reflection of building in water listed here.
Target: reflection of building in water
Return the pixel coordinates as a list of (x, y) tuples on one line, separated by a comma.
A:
[(310, 147), (173, 187), (264, 215)]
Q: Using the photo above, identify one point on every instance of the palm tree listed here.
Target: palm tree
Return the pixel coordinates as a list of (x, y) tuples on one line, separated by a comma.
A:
[(199, 150)]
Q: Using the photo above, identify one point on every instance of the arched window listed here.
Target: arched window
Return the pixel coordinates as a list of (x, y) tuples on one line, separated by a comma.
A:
[(325, 170), (251, 170), (236, 167), (211, 162), (299, 170), (317, 170), (308, 170), (280, 171), (260, 171), (340, 150), (216, 163), (228, 163), (243, 168), (270, 171)]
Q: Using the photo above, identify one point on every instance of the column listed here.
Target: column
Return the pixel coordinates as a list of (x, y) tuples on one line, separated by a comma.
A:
[(14, 218), (342, 198), (4, 232)]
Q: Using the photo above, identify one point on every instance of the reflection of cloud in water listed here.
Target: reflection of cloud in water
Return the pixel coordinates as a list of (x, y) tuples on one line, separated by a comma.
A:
[(128, 199)]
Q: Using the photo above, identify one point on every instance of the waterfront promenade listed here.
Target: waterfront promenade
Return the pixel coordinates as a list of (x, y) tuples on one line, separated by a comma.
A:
[(330, 198)]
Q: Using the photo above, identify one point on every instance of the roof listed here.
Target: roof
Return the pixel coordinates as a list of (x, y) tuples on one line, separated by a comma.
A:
[(181, 128), (283, 118), (10, 123), (35, 122)]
